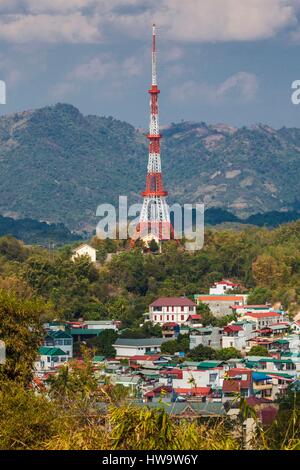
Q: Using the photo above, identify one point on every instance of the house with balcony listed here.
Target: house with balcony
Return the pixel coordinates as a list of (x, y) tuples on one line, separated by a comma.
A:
[(234, 336), (60, 339), (171, 309), (49, 358), (262, 385), (263, 319)]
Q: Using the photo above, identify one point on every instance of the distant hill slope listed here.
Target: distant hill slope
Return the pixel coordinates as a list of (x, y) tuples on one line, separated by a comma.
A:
[(58, 165), (34, 232)]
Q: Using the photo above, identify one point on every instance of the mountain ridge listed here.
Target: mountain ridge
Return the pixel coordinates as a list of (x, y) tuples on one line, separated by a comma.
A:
[(58, 165)]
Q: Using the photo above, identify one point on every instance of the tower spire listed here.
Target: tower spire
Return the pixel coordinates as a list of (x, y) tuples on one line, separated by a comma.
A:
[(154, 218)]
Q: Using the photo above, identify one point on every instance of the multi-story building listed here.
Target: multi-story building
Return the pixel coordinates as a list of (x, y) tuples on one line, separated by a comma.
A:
[(263, 319), (171, 309), (221, 304), (206, 336)]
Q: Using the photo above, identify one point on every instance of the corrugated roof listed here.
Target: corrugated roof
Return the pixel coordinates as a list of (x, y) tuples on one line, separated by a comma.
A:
[(44, 351)]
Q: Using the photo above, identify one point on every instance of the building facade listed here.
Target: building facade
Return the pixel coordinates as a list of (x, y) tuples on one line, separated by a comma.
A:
[(171, 309)]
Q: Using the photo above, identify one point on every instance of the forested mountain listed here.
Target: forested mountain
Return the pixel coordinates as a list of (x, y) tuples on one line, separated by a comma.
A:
[(57, 165)]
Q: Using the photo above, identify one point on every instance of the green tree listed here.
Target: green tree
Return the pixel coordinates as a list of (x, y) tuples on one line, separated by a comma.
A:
[(102, 344), (259, 296), (153, 246), (201, 353), (228, 353), (21, 330), (258, 351)]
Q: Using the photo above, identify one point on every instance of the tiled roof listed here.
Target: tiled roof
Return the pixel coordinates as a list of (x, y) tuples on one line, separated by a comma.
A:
[(195, 317), (232, 328), (220, 298), (262, 314), (173, 302)]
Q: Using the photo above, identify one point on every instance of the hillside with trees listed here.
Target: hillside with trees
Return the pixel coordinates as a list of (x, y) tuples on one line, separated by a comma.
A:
[(58, 165)]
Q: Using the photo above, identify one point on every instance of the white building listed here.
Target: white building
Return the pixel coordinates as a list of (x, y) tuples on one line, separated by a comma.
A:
[(200, 378), (50, 358), (85, 250), (171, 309), (128, 347), (60, 339), (263, 319), (221, 288), (236, 335), (295, 326)]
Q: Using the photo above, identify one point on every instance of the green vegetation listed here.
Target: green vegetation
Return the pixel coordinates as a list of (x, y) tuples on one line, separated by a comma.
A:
[(266, 263)]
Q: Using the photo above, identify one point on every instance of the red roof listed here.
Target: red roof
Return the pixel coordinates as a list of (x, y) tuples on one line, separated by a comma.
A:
[(195, 391), (173, 302), (232, 328), (195, 317), (169, 325), (149, 357), (159, 390), (226, 283), (262, 314)]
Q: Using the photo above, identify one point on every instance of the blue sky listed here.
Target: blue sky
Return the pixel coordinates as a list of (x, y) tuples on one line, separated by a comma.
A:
[(227, 61)]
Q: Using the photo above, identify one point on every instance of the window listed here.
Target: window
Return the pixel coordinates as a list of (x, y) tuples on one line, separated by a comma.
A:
[(167, 317), (161, 317), (182, 308), (173, 317), (155, 317), (182, 317)]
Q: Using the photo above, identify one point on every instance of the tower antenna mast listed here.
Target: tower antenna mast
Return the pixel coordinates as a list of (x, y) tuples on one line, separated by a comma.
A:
[(154, 220)]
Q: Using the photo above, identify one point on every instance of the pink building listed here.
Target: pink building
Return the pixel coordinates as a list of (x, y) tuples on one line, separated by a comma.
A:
[(171, 309)]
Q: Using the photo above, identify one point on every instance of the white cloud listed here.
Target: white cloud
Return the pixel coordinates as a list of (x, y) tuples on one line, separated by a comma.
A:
[(102, 68), (245, 82), (73, 28), (214, 20), (179, 20), (240, 87)]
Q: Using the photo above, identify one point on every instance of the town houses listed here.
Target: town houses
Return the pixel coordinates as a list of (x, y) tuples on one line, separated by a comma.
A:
[(194, 387)]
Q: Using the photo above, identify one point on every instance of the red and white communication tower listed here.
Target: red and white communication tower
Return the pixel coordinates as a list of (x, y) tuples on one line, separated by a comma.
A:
[(154, 220)]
